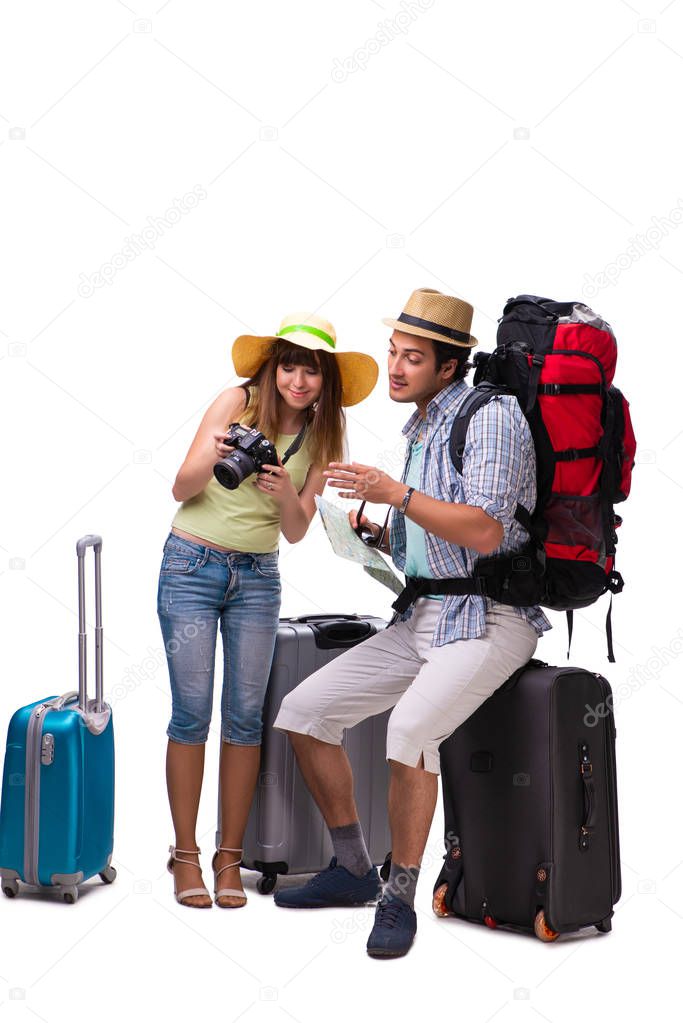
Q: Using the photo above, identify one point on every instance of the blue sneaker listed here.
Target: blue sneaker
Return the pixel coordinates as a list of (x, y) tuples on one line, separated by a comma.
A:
[(335, 886), (394, 930)]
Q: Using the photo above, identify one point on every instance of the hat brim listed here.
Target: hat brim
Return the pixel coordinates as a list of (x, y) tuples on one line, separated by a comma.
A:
[(358, 371), (407, 328)]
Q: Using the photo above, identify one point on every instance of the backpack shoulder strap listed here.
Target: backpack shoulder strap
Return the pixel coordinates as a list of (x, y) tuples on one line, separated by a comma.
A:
[(475, 399)]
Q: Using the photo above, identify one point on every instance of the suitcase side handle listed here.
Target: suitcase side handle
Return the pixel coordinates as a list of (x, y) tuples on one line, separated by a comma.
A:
[(61, 701), (90, 540)]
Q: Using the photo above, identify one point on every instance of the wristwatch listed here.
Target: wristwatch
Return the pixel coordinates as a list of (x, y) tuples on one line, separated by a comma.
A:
[(406, 498)]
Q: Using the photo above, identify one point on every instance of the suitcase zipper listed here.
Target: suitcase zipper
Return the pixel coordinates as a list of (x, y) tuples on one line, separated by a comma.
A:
[(612, 810), (32, 807), (551, 801)]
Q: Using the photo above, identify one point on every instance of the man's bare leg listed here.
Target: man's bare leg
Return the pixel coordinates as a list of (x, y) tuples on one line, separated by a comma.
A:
[(327, 773), (412, 800)]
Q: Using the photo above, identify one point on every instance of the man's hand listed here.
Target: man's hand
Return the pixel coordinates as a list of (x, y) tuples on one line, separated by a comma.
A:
[(364, 482), (364, 521)]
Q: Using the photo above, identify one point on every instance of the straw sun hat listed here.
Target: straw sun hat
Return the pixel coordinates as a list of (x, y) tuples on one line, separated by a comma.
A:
[(431, 314), (358, 371)]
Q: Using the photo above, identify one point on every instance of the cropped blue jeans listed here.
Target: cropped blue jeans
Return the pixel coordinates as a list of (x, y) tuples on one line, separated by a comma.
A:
[(200, 587)]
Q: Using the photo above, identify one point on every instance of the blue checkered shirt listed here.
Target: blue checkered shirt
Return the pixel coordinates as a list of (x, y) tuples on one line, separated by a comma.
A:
[(498, 472)]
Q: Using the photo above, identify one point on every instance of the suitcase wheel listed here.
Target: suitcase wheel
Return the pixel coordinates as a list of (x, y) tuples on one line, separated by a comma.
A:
[(10, 887), (439, 901), (541, 929), (604, 925), (70, 894), (108, 874), (266, 883)]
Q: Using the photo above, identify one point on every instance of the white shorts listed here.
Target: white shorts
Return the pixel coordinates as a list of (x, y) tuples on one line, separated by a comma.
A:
[(432, 689)]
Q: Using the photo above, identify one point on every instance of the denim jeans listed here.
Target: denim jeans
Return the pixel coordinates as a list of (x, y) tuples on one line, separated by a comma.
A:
[(199, 587)]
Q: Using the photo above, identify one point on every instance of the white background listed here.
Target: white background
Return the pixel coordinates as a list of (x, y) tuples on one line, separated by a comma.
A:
[(349, 153)]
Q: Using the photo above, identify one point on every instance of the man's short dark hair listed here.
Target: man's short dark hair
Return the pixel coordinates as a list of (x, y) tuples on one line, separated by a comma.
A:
[(444, 352)]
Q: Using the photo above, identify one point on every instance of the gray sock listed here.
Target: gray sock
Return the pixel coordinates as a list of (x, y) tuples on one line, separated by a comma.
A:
[(350, 849), (402, 882)]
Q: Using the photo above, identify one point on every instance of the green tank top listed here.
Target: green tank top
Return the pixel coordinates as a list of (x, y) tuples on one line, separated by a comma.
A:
[(245, 519)]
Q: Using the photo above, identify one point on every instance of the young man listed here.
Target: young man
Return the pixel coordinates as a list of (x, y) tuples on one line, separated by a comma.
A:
[(446, 654)]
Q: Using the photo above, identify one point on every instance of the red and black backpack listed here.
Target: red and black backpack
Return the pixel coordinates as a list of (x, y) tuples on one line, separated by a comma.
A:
[(558, 360)]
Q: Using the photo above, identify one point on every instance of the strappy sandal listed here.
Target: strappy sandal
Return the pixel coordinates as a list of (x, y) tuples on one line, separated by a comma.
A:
[(187, 892), (233, 893)]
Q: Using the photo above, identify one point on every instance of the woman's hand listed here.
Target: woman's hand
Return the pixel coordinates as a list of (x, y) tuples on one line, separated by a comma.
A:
[(275, 481), (365, 482), (222, 449)]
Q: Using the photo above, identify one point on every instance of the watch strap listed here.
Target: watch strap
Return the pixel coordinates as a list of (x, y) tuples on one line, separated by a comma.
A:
[(406, 498)]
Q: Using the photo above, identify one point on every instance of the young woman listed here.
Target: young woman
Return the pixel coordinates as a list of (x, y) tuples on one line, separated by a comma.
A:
[(220, 564)]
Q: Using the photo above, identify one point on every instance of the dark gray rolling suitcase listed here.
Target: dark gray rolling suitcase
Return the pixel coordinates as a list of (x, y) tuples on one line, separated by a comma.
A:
[(530, 806), (286, 833)]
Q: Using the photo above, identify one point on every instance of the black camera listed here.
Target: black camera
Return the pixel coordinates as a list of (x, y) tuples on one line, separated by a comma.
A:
[(252, 451)]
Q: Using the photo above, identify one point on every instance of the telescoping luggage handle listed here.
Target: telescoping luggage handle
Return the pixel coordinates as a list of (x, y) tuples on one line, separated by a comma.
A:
[(90, 540)]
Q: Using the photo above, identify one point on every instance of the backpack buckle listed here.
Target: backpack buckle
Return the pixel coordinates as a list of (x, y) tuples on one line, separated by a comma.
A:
[(615, 582)]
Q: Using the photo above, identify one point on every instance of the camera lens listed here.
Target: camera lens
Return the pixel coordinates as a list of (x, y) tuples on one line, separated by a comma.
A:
[(234, 469), (226, 475)]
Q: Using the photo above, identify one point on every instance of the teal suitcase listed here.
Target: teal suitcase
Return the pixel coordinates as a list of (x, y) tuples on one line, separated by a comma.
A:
[(57, 810)]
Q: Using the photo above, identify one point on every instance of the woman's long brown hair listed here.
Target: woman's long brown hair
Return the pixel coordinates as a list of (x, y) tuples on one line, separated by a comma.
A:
[(326, 424)]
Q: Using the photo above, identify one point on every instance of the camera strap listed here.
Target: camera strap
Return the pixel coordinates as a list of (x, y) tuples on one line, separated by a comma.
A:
[(295, 445)]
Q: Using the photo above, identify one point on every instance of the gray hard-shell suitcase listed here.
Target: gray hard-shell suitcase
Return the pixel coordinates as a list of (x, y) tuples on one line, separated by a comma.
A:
[(286, 833)]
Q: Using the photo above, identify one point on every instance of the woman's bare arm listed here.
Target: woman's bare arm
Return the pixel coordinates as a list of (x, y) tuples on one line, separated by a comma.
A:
[(295, 516), (197, 469)]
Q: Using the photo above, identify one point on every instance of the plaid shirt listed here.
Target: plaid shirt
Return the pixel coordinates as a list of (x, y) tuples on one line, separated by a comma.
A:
[(498, 471)]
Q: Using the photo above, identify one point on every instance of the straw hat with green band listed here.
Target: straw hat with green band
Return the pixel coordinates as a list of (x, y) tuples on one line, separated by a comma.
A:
[(358, 371), (429, 313)]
